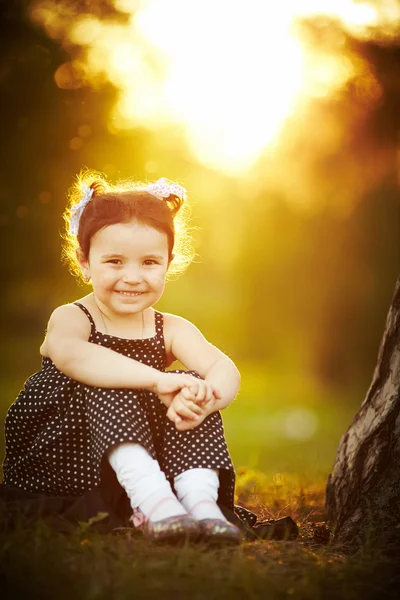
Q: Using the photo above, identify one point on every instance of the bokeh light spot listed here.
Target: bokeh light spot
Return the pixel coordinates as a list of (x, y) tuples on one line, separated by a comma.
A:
[(22, 211), (84, 131), (85, 30), (44, 197), (300, 424), (66, 77), (76, 143)]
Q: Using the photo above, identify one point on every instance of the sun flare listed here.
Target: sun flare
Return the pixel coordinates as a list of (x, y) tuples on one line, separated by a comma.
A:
[(228, 74)]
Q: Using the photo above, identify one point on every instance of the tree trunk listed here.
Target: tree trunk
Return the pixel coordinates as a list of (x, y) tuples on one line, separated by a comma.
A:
[(363, 490)]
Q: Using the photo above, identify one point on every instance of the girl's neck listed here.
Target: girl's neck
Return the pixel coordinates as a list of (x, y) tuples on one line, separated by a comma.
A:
[(126, 326)]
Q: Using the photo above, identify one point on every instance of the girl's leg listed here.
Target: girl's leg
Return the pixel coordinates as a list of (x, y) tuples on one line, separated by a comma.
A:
[(198, 463), (197, 490), (145, 484), (202, 450), (124, 441)]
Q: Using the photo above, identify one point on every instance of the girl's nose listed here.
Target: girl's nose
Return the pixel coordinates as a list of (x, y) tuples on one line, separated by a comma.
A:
[(132, 276)]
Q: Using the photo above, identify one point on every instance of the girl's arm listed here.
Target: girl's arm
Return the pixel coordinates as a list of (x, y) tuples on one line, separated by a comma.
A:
[(190, 347), (67, 346), (225, 377)]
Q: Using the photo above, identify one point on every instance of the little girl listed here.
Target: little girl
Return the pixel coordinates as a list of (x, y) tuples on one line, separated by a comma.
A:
[(103, 424)]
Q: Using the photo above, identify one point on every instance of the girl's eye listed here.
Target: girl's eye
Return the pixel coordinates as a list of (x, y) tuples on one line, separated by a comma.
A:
[(150, 261), (114, 261)]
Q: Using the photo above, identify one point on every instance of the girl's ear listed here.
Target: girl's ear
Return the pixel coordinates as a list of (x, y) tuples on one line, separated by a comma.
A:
[(83, 262), (170, 261)]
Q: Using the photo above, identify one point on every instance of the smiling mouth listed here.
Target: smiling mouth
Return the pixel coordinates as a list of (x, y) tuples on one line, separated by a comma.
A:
[(130, 294)]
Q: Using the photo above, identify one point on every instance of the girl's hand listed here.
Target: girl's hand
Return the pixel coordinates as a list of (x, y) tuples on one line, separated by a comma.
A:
[(168, 385), (184, 407), (186, 413), (204, 392)]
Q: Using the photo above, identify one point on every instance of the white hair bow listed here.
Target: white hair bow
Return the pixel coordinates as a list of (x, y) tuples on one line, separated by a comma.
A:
[(160, 189), (77, 210), (163, 189)]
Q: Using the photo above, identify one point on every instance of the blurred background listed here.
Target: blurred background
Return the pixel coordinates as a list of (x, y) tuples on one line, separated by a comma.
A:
[(283, 124)]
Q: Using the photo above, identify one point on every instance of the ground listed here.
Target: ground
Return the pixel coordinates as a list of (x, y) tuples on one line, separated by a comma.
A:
[(38, 563)]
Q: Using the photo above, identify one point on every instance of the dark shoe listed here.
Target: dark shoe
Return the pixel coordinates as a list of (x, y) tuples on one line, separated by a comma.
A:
[(281, 529), (219, 531), (172, 530)]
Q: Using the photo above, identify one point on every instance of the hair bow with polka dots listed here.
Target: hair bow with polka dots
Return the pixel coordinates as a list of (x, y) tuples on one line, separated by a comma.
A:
[(77, 210), (162, 188)]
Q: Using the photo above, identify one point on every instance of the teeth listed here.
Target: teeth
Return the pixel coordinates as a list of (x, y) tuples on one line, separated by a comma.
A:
[(131, 293)]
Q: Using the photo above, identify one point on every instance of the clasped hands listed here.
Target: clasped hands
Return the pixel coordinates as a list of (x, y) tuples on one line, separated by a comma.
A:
[(189, 400)]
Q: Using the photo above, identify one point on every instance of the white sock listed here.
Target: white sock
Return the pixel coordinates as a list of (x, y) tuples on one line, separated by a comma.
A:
[(144, 482), (197, 491)]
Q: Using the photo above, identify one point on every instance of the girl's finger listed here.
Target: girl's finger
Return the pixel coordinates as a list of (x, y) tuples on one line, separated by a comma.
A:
[(195, 407), (217, 394), (202, 392), (184, 411), (185, 380), (208, 395), (189, 400), (214, 391), (173, 416), (194, 388), (186, 424), (187, 394), (172, 383), (209, 392)]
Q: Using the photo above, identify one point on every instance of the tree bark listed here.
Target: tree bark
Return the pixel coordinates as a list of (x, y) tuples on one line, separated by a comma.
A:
[(363, 490)]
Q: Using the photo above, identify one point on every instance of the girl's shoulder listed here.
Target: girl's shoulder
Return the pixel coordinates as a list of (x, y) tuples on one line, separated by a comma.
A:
[(71, 309), (174, 321), (175, 325), (67, 320), (71, 312)]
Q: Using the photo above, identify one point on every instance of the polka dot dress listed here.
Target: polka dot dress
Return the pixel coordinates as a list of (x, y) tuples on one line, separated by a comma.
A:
[(58, 430)]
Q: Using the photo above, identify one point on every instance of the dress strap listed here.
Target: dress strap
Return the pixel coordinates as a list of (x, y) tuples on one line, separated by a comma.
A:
[(159, 321), (89, 316)]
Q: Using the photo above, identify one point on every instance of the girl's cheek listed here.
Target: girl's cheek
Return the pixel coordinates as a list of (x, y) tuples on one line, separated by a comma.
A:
[(157, 278)]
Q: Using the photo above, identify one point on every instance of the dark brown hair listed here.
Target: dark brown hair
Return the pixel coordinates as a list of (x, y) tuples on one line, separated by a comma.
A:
[(122, 203)]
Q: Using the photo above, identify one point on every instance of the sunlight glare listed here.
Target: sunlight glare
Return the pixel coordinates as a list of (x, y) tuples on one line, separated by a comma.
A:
[(233, 88), (228, 74)]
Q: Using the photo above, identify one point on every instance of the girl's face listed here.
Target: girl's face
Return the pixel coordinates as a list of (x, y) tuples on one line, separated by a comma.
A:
[(127, 264)]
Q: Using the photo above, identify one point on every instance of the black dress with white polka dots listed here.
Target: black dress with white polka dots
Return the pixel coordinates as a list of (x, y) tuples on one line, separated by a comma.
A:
[(58, 431)]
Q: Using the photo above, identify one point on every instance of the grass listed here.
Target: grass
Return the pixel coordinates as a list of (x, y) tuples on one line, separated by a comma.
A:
[(38, 563), (281, 495)]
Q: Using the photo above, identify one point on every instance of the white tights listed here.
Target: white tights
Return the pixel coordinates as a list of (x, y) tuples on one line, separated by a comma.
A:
[(147, 487)]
